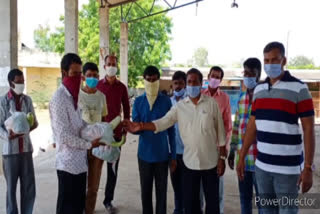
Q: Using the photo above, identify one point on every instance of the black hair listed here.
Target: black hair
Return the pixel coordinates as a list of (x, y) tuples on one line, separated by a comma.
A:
[(275, 45), (216, 68), (254, 64), (13, 73), (90, 66), (105, 59), (197, 72), (150, 71), (68, 60), (179, 75)]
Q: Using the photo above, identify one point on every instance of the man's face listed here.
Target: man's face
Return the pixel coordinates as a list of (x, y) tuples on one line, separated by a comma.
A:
[(274, 57), (178, 84), (193, 80), (74, 70), (248, 72), (17, 80), (111, 61), (91, 74), (215, 74), (151, 78)]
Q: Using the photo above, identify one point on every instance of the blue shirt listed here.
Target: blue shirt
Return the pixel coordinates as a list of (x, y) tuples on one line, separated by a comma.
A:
[(179, 143), (154, 147)]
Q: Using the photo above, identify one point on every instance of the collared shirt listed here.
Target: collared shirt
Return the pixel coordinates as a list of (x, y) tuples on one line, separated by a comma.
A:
[(239, 129), (277, 109), (66, 123), (116, 95), (224, 106), (7, 107), (179, 143), (201, 129), (154, 147)]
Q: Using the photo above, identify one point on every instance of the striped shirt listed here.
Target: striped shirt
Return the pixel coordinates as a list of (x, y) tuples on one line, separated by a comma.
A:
[(277, 109), (239, 129)]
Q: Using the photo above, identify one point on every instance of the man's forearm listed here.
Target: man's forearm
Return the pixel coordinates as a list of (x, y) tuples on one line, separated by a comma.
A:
[(223, 151), (249, 138), (309, 141), (147, 127)]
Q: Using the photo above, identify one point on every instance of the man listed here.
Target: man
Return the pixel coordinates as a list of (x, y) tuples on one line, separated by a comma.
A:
[(179, 80), (215, 77), (278, 103), (153, 150), (66, 123), (116, 94), (93, 106), (17, 148), (202, 131), (252, 73)]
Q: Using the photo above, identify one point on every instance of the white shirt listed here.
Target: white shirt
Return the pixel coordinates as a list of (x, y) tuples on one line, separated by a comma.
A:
[(201, 128), (93, 106), (66, 125)]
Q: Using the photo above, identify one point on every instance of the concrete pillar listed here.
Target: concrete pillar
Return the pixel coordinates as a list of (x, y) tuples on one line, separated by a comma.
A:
[(8, 40), (124, 53), (71, 26), (104, 38)]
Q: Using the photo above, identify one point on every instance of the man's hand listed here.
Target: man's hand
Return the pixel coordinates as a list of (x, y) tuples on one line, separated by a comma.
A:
[(96, 143), (221, 167), (231, 159), (306, 180), (131, 126), (240, 168), (173, 166), (13, 135)]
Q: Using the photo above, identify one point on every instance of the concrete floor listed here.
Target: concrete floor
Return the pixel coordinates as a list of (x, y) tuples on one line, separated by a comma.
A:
[(127, 195)]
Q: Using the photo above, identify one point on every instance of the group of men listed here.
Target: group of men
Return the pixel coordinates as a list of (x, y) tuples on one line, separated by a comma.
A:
[(191, 133)]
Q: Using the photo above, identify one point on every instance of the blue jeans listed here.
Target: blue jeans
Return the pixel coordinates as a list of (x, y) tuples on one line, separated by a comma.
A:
[(221, 196), (276, 186), (246, 192)]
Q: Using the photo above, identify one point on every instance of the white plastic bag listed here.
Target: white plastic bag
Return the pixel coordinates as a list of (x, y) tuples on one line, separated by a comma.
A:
[(18, 123), (98, 130), (107, 153)]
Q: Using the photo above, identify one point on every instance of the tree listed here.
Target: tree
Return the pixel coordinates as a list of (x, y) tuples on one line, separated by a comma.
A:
[(301, 62), (200, 57), (42, 38), (148, 38)]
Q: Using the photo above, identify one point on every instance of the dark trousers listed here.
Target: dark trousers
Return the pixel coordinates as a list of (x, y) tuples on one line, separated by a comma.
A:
[(149, 172), (72, 193), (191, 190), (20, 167), (111, 183), (176, 180)]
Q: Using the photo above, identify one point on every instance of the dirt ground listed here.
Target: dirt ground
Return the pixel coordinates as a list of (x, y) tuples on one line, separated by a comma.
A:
[(127, 195)]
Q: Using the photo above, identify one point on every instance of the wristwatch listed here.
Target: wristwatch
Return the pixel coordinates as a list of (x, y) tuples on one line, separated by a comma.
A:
[(311, 167), (223, 157)]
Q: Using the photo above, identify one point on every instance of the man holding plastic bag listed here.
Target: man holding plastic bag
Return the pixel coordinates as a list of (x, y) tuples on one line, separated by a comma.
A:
[(17, 120)]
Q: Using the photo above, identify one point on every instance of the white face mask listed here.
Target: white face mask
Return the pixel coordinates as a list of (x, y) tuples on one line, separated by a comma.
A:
[(111, 71), (18, 88)]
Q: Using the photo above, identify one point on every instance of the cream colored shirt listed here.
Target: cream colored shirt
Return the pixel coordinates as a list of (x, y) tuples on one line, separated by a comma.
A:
[(93, 106), (201, 129)]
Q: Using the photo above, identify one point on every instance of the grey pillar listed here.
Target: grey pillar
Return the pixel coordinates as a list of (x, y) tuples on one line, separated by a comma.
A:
[(8, 40), (104, 38), (124, 53), (71, 26)]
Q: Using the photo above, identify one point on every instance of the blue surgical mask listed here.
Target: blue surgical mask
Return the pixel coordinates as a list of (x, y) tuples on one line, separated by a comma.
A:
[(273, 70), (250, 82), (179, 93), (92, 82), (193, 91)]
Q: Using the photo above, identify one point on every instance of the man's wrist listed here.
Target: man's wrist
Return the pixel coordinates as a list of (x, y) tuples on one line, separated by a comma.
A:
[(310, 167)]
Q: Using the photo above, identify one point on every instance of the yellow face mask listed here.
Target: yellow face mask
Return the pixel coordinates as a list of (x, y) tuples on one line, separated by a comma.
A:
[(152, 90)]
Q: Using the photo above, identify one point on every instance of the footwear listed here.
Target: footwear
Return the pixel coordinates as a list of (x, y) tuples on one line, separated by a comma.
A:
[(111, 209)]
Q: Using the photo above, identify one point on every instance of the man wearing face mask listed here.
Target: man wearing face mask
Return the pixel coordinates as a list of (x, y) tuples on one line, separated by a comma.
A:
[(179, 80), (116, 94), (17, 148), (215, 78), (202, 132), (66, 123), (93, 106), (153, 150), (252, 72), (282, 163)]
